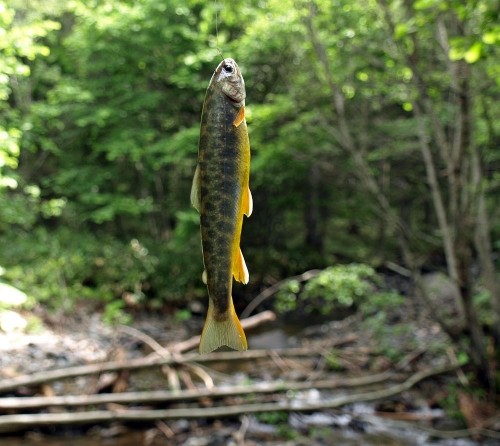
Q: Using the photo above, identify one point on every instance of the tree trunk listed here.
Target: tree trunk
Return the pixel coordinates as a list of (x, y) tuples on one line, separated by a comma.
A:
[(484, 250)]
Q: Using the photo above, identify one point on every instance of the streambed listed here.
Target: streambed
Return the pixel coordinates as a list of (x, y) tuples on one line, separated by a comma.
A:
[(357, 424)]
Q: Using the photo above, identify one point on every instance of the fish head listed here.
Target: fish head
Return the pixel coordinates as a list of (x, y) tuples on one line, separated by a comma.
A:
[(229, 79)]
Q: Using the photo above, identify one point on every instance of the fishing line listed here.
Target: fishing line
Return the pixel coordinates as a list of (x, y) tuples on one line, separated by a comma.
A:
[(216, 5)]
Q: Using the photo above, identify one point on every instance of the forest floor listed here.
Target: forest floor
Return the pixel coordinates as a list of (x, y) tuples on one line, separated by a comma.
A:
[(348, 349)]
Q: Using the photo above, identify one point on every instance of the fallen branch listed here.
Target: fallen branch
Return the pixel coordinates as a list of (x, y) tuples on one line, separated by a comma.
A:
[(12, 423), (149, 397)]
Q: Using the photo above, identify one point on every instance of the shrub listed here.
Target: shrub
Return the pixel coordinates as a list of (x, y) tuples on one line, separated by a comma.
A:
[(334, 287)]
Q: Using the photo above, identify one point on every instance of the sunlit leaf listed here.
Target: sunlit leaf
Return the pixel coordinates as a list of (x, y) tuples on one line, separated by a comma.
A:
[(400, 30), (424, 4), (473, 54), (456, 53), (491, 37)]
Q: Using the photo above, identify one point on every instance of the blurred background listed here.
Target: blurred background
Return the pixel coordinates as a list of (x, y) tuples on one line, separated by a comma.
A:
[(374, 128)]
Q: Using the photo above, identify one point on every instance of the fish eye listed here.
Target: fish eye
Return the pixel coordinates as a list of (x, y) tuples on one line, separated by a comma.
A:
[(228, 68)]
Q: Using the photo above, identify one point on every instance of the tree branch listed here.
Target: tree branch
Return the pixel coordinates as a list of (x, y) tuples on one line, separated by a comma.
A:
[(151, 397)]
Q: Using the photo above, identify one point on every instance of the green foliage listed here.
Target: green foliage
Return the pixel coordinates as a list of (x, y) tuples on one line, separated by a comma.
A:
[(333, 361), (381, 302), (450, 402), (114, 313), (183, 315), (275, 418), (280, 420), (377, 312), (352, 285), (481, 300), (334, 287), (21, 36), (57, 269), (343, 284)]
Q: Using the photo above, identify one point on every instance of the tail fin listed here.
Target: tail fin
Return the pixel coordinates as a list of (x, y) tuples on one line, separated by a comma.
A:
[(218, 332)]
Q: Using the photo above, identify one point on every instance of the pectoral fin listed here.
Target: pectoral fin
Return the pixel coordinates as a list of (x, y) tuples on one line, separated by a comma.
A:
[(240, 270), (240, 117), (195, 189), (247, 202)]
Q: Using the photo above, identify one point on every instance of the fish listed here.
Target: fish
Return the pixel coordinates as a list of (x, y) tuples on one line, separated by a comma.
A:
[(221, 194)]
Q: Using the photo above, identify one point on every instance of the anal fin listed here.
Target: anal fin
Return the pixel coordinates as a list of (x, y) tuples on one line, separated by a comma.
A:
[(195, 190), (247, 202), (240, 270)]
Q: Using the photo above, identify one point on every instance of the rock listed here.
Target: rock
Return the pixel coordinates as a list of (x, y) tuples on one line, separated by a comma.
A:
[(10, 321), (11, 296), (197, 441), (269, 339), (444, 293), (255, 427), (306, 421)]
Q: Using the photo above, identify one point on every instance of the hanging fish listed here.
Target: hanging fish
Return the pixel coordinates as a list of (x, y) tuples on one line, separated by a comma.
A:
[(221, 194)]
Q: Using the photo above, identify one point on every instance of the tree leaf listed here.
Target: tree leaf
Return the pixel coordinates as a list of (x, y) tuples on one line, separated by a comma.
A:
[(473, 54)]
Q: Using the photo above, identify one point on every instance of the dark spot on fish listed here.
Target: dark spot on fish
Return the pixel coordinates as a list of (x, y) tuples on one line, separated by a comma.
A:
[(220, 241), (225, 226), (209, 207)]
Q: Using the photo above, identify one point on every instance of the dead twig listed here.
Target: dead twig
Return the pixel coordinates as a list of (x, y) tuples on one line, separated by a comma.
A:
[(163, 427), (239, 436), (148, 340), (172, 377)]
